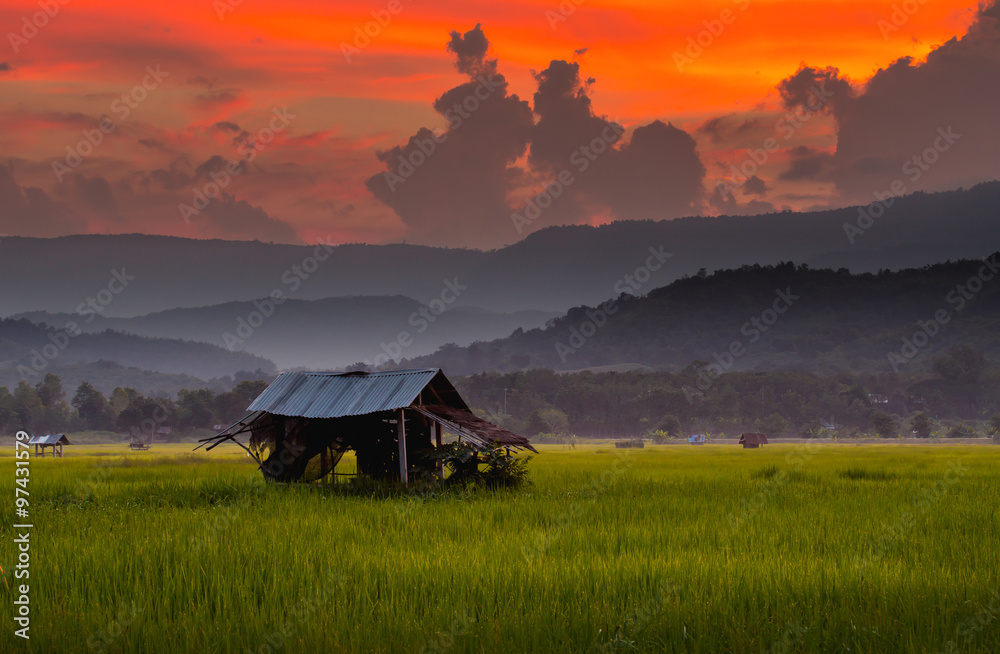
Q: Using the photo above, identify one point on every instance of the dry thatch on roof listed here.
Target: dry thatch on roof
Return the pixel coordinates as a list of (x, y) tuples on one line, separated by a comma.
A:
[(464, 422)]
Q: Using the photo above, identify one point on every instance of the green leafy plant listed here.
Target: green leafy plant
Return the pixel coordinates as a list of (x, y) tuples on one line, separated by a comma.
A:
[(493, 466)]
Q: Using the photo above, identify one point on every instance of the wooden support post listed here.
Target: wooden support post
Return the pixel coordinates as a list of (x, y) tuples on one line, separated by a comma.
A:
[(279, 444), (436, 426), (401, 436)]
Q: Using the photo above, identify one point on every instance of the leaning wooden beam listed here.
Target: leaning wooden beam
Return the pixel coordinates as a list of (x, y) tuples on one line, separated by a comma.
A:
[(241, 423), (219, 438), (219, 442), (460, 431), (232, 437)]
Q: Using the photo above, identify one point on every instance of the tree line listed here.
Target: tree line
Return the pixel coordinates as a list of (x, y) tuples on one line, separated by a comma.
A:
[(958, 396), (45, 408)]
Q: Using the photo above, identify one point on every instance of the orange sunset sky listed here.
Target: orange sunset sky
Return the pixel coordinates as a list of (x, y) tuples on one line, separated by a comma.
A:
[(225, 67)]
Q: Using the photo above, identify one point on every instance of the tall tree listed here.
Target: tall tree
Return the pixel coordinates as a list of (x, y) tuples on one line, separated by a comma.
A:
[(50, 391), (196, 409), (884, 424), (961, 364), (921, 424), (121, 398), (248, 390), (230, 407), (93, 407), (28, 407), (8, 411)]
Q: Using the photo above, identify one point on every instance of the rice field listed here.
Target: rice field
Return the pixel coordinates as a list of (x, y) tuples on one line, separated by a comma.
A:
[(832, 548)]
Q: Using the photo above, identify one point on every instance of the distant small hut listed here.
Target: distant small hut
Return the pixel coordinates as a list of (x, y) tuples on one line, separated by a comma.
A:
[(140, 440), (138, 443), (752, 441), (304, 422), (697, 439), (55, 441)]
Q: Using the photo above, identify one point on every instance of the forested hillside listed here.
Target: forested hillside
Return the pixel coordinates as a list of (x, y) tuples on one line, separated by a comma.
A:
[(764, 318)]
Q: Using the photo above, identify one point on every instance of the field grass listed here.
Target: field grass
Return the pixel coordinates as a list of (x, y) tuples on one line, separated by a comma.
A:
[(831, 548)]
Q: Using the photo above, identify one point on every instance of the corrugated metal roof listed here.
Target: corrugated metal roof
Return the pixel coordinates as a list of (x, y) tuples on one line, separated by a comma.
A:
[(49, 439), (339, 394)]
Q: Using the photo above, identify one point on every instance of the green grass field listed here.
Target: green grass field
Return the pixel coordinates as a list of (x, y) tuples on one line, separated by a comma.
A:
[(833, 548)]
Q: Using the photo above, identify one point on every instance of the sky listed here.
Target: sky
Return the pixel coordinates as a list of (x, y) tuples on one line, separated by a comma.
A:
[(454, 124)]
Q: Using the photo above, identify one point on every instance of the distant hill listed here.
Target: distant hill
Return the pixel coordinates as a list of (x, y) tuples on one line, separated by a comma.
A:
[(28, 351), (330, 333), (550, 270), (763, 318)]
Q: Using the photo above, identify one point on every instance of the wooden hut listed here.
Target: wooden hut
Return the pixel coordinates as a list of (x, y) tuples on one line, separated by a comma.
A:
[(633, 442), (302, 424), (752, 441), (55, 441)]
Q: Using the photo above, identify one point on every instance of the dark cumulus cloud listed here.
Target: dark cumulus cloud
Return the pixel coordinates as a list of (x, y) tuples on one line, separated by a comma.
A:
[(153, 144), (919, 125), (470, 50), (451, 186), (822, 90), (657, 173), (729, 127), (29, 211), (227, 126), (724, 202), (217, 97), (229, 218), (84, 203), (462, 185), (95, 194), (569, 139), (808, 163), (566, 118), (755, 186)]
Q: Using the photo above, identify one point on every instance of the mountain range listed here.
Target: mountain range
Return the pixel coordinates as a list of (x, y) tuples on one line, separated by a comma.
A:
[(550, 270), (764, 318), (187, 312), (320, 334), (29, 351)]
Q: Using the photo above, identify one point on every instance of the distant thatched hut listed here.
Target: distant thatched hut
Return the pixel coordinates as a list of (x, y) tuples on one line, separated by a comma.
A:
[(302, 424), (752, 441)]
